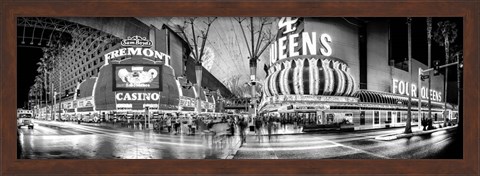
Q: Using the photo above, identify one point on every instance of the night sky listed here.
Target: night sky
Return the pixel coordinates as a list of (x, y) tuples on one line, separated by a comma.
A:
[(419, 39), (28, 55), (26, 71)]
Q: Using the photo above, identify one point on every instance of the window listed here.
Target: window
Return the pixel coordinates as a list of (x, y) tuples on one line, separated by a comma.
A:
[(362, 118), (394, 114), (389, 116), (414, 117), (349, 118), (376, 117), (399, 115)]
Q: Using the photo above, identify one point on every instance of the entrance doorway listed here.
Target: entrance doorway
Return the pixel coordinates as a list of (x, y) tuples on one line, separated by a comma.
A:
[(308, 118)]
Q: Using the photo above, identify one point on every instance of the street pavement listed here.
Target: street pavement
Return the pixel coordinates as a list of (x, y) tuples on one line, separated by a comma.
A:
[(67, 140), (352, 145)]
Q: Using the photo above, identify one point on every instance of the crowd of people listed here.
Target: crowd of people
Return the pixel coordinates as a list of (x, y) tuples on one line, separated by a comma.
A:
[(189, 124), (228, 124)]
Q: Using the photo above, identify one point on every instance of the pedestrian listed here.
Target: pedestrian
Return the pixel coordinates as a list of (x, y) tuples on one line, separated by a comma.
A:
[(184, 128), (269, 127), (169, 123), (430, 124), (230, 133), (295, 122), (424, 123), (276, 126), (177, 124), (189, 124), (243, 125), (258, 125)]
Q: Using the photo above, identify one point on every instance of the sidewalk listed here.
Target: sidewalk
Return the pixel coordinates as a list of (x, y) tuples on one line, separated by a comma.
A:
[(281, 130), (415, 132), (219, 146)]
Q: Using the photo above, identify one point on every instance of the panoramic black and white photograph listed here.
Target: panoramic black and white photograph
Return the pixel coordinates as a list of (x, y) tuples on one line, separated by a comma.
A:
[(239, 87)]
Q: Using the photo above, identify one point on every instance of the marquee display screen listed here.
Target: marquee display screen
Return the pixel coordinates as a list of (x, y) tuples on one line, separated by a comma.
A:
[(137, 77)]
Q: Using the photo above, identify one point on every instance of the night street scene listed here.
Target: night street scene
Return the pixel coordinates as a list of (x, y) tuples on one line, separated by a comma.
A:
[(239, 88)]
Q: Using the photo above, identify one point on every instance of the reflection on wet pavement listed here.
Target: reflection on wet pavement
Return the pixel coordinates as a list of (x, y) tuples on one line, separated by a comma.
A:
[(61, 140)]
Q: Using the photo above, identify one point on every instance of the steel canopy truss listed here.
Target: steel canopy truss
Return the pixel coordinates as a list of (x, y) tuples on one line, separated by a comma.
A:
[(77, 31), (86, 45)]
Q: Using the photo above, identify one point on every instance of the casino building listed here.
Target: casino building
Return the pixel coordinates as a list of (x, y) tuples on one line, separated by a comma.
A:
[(149, 72), (324, 70), (340, 71)]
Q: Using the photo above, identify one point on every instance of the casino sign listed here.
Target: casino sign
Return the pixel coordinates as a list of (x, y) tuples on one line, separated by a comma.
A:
[(303, 68), (136, 76)]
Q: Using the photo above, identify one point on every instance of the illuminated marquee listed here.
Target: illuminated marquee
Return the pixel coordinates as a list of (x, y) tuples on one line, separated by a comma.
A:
[(309, 98), (137, 96), (308, 42), (137, 46), (187, 101), (401, 87), (137, 76)]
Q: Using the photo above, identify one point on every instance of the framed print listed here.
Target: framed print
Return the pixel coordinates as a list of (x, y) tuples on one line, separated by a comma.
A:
[(234, 87)]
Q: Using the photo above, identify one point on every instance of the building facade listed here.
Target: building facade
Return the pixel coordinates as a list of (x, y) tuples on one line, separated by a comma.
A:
[(150, 72), (339, 71)]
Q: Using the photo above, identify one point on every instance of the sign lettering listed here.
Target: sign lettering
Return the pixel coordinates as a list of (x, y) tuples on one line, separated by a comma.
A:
[(287, 46), (137, 46), (139, 77), (402, 88), (137, 96)]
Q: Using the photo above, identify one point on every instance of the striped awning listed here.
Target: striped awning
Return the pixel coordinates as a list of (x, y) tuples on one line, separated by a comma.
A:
[(368, 96)]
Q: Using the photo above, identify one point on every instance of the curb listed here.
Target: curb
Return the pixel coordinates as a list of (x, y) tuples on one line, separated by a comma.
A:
[(401, 135)]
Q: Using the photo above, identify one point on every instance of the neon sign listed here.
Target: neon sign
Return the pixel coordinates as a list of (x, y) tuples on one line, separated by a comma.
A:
[(137, 96), (137, 46), (136, 41), (279, 50), (402, 88), (137, 76)]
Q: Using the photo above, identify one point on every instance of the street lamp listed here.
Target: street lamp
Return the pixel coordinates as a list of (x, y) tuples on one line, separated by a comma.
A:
[(408, 128), (54, 104), (198, 74), (253, 73), (435, 69), (429, 39), (459, 85), (419, 95)]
